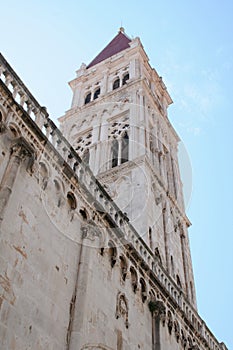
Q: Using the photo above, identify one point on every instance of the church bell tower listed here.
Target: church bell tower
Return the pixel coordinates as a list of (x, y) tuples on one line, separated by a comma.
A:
[(118, 124)]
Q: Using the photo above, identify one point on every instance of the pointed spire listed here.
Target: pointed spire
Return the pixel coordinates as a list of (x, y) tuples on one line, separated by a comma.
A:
[(119, 43)]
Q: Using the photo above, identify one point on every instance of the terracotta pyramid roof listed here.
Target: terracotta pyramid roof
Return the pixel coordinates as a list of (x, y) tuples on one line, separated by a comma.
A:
[(118, 44)]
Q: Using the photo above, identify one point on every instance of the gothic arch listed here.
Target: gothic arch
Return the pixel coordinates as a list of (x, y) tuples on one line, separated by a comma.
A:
[(125, 78), (71, 200), (116, 83), (83, 212), (143, 290), (14, 129), (87, 98), (96, 93), (134, 279), (112, 253)]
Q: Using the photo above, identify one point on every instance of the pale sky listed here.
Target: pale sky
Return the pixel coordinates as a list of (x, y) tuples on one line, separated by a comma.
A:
[(190, 45)]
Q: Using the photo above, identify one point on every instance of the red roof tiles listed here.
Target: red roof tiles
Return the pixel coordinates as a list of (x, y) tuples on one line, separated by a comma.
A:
[(118, 44)]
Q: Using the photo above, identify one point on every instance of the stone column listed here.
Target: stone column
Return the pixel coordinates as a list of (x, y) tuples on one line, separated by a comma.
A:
[(103, 148), (165, 222), (184, 258), (119, 150), (157, 310), (78, 322), (132, 67), (142, 130), (19, 151), (134, 127)]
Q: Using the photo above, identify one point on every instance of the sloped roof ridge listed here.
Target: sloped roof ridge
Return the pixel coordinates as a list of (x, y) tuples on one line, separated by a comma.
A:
[(119, 43)]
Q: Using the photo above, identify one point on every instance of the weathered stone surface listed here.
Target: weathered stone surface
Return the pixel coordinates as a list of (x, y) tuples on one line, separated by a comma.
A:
[(85, 266)]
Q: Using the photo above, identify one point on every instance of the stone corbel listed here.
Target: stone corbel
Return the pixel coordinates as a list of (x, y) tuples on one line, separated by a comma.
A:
[(157, 309), (22, 150), (19, 151), (93, 234)]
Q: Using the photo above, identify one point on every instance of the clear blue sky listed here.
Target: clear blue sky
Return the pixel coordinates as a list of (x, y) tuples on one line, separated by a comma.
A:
[(190, 44)]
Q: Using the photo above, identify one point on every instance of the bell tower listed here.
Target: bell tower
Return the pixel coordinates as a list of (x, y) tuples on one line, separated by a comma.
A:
[(118, 124)]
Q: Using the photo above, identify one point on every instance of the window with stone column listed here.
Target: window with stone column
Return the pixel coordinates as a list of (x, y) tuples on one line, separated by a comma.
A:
[(119, 141)]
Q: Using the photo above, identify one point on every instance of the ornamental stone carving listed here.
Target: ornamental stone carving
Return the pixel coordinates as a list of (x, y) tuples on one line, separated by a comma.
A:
[(92, 234), (122, 308)]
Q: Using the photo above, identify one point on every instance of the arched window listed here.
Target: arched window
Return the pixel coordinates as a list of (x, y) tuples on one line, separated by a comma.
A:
[(125, 78), (143, 290), (125, 148), (123, 266), (87, 98), (134, 278), (116, 84), (172, 267), (86, 156), (178, 281), (157, 255), (96, 93), (115, 147), (83, 213), (71, 201), (150, 238), (112, 252)]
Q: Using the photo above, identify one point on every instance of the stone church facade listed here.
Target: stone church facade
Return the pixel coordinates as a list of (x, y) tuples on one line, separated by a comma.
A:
[(94, 250)]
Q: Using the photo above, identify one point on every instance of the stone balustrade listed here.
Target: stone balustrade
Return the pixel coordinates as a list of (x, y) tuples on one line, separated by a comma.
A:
[(21, 94), (101, 200)]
